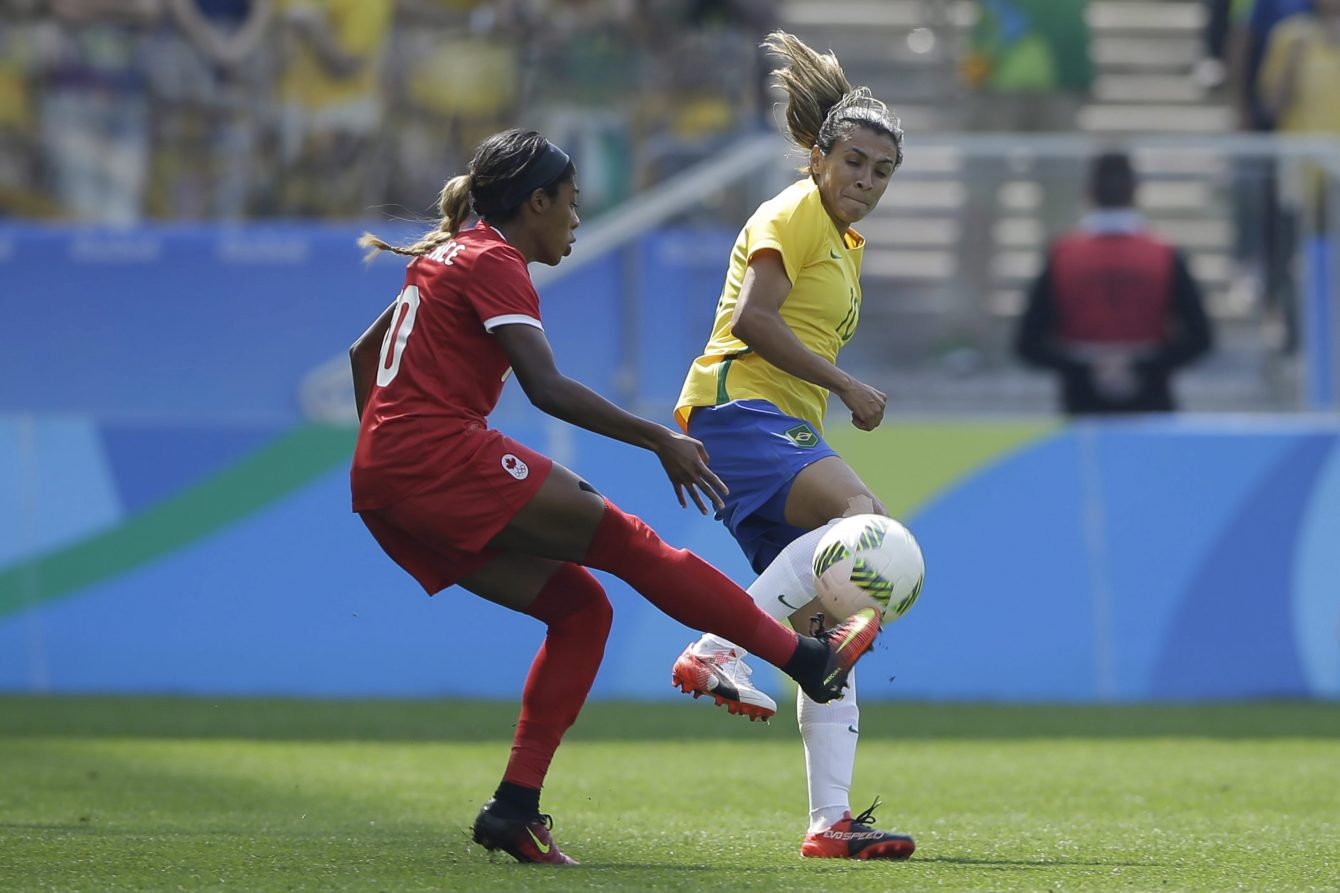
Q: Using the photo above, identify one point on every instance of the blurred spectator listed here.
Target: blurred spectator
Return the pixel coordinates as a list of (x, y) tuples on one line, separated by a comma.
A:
[(207, 109), (747, 20), (1267, 228), (1211, 69), (210, 74), (1029, 61), (705, 80), (1300, 81), (1300, 92), (1029, 65), (95, 109), (20, 181), (1255, 20), (331, 101), (1115, 312), (453, 77), (594, 78)]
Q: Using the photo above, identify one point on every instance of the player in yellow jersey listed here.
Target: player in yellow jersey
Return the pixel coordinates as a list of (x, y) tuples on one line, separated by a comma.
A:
[(757, 396)]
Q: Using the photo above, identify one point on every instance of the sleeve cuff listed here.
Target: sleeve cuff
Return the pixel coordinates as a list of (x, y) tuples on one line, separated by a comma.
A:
[(508, 319)]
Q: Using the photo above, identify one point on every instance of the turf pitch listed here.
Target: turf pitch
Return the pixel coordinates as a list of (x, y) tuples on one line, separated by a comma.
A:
[(112, 794)]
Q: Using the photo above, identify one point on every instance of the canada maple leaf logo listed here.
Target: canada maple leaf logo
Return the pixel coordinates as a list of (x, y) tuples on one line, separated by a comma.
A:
[(515, 467)]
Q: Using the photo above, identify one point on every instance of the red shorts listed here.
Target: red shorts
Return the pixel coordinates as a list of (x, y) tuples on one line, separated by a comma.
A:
[(442, 535)]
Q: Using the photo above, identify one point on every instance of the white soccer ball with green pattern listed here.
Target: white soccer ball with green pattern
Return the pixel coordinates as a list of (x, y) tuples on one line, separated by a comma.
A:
[(868, 561)]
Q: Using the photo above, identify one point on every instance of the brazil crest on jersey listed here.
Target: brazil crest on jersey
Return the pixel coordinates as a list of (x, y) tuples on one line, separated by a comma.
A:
[(822, 309)]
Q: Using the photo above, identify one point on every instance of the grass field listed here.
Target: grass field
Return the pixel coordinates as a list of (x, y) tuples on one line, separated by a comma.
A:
[(137, 794)]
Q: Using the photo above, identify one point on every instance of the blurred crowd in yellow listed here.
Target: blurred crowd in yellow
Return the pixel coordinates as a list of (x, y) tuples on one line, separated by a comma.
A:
[(119, 110)]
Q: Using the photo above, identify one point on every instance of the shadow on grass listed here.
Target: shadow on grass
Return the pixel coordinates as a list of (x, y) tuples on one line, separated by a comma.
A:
[(468, 721), (1035, 863), (608, 868)]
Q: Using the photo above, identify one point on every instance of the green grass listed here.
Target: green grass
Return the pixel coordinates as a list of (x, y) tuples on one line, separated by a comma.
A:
[(139, 794)]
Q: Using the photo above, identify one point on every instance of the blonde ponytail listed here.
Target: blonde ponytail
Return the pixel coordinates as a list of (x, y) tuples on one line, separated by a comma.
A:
[(821, 105), (814, 83)]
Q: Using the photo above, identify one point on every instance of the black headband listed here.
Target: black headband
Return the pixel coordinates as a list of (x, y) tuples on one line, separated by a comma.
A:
[(542, 171)]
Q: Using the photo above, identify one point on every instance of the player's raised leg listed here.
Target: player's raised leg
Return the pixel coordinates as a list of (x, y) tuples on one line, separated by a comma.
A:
[(567, 520), (715, 667)]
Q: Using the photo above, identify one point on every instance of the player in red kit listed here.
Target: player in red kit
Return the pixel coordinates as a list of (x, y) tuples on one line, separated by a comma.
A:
[(454, 501)]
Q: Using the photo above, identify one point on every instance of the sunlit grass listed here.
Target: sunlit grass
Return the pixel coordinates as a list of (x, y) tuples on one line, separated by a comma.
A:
[(125, 794)]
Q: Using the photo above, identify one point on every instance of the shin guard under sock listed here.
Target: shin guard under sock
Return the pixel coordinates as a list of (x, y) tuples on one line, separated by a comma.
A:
[(578, 614), (685, 587)]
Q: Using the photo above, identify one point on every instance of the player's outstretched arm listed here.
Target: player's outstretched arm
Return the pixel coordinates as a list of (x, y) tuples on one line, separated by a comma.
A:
[(363, 358), (552, 392)]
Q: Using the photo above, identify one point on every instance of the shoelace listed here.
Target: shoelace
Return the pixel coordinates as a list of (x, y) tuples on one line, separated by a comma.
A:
[(543, 818), (868, 816), (737, 665), (818, 629), (733, 665)]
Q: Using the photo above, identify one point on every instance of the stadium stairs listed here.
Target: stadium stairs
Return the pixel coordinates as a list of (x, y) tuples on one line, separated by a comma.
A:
[(936, 335)]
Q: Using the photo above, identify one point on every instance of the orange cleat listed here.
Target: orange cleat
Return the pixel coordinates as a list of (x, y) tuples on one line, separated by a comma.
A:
[(853, 838), (726, 678)]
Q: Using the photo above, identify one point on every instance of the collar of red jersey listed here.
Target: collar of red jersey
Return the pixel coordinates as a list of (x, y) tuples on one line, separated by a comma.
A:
[(491, 228)]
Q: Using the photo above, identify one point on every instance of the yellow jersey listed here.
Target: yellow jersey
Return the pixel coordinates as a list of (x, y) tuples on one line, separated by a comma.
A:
[(361, 28), (822, 309), (1315, 106)]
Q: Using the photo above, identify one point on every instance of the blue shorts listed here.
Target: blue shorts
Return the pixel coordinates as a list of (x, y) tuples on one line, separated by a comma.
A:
[(757, 451)]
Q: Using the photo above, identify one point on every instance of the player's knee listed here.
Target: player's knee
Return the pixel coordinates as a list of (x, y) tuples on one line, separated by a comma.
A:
[(597, 611), (573, 595), (589, 605)]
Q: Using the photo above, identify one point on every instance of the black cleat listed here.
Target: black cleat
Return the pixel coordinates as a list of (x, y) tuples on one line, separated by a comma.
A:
[(524, 839), (845, 642)]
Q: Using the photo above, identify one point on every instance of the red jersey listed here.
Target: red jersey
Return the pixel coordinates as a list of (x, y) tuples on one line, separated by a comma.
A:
[(1113, 288), (441, 371)]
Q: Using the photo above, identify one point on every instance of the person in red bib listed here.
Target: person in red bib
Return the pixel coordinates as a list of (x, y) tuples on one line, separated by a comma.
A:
[(1115, 311), (453, 501)]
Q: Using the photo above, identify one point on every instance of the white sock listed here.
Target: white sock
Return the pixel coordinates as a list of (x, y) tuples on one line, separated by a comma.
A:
[(784, 586), (787, 585), (830, 732)]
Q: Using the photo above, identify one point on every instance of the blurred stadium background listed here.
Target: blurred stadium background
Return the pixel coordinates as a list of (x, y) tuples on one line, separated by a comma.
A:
[(182, 181)]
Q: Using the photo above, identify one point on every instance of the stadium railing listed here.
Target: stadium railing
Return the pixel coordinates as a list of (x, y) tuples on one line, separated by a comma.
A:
[(953, 246)]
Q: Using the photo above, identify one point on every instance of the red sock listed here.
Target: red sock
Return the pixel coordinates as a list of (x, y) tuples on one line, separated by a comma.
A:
[(684, 586), (574, 606)]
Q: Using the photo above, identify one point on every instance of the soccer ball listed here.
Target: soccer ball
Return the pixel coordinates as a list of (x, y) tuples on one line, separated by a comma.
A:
[(868, 561)]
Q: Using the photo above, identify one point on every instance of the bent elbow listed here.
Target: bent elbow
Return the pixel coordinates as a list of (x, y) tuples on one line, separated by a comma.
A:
[(363, 347), (544, 397), (744, 327), (543, 401)]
